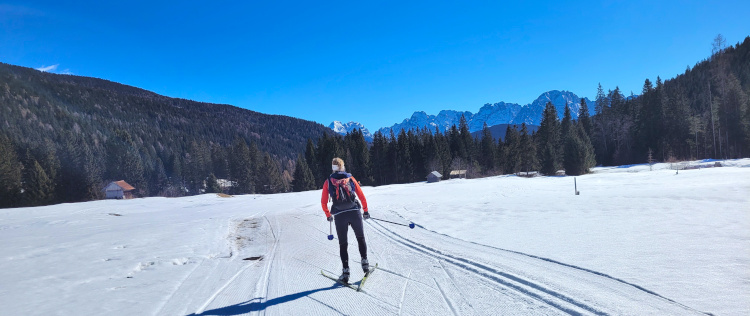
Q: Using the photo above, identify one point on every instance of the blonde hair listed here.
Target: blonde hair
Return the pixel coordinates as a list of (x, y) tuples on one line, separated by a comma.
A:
[(339, 162)]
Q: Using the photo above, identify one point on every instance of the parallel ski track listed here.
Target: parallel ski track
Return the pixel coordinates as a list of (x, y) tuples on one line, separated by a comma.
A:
[(562, 264), (403, 294), (453, 281), (522, 286), (261, 288), (514, 282), (445, 298)]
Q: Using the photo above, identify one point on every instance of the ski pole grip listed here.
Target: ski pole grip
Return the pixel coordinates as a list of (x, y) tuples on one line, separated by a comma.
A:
[(330, 231)]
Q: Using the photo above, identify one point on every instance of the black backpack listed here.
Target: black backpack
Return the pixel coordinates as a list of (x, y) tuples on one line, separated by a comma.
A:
[(342, 190)]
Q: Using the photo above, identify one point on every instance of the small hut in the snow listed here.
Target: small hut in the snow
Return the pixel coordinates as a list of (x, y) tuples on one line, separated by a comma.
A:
[(119, 190), (458, 174), (434, 177)]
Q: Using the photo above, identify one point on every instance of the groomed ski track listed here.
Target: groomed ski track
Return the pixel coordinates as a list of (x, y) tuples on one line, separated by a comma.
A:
[(422, 273)]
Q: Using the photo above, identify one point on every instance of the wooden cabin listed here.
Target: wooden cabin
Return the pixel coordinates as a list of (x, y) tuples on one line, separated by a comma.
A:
[(119, 190), (458, 174), (434, 177)]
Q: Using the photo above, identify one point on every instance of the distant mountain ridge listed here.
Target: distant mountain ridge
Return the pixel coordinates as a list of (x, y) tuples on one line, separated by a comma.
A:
[(495, 114), (345, 128)]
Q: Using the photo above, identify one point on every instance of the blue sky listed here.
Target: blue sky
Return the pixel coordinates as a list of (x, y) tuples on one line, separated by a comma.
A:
[(375, 63)]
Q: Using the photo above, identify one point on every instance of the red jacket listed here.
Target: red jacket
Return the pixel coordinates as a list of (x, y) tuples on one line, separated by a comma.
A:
[(325, 197)]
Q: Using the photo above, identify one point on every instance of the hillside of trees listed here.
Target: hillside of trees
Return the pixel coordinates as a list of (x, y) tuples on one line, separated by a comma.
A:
[(701, 114), (63, 137)]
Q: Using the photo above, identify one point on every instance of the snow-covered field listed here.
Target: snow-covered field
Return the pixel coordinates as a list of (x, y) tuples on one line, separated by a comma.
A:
[(634, 242)]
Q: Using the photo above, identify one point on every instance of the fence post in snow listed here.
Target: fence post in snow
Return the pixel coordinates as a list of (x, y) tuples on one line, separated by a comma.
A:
[(575, 186)]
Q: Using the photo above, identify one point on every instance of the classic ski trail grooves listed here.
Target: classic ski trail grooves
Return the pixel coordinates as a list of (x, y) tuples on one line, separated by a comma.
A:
[(550, 286)]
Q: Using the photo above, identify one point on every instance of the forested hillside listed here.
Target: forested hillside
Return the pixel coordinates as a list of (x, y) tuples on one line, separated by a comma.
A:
[(703, 113), (62, 137)]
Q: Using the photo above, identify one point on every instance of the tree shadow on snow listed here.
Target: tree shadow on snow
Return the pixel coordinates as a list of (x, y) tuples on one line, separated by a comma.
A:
[(255, 304)]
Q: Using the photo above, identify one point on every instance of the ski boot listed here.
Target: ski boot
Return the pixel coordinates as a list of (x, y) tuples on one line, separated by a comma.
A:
[(344, 276), (365, 265)]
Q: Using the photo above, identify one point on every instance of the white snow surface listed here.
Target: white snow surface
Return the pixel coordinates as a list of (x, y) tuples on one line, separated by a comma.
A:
[(634, 241)]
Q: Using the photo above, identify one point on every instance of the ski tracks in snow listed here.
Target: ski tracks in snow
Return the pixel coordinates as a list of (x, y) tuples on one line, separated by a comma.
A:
[(223, 283), (555, 286), (441, 276)]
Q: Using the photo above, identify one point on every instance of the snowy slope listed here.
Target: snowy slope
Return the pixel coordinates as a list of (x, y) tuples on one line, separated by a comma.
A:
[(634, 242)]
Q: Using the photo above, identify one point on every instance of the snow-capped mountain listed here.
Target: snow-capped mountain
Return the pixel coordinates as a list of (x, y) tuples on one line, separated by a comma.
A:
[(343, 129), (443, 121), (494, 114)]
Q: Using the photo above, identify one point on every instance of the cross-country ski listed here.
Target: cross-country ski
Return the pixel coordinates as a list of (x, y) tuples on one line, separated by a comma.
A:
[(367, 275), (340, 281)]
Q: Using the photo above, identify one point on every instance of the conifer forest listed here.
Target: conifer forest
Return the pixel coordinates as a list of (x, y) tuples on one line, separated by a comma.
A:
[(63, 138)]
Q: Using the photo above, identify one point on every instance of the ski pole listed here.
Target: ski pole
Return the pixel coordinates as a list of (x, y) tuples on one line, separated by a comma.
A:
[(330, 231), (411, 225)]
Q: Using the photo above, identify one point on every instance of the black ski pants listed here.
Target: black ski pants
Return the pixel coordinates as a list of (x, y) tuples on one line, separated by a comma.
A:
[(343, 220)]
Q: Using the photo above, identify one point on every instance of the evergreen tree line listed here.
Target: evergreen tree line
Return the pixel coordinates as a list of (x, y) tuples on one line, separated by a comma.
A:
[(62, 138), (76, 173), (411, 155), (701, 114), (65, 137)]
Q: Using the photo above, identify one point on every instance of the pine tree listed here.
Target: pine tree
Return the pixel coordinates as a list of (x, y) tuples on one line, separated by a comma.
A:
[(404, 165), (567, 123), (51, 164), (379, 162), (417, 155), (159, 180), (600, 125), (512, 150), (601, 104), (731, 115), (500, 156), (584, 119), (579, 153), (212, 184), (220, 161), (242, 168), (311, 160), (527, 151), (549, 141), (649, 130), (37, 185), (270, 176), (444, 152), (361, 157), (256, 165), (10, 173), (467, 140), (303, 178), (488, 151)]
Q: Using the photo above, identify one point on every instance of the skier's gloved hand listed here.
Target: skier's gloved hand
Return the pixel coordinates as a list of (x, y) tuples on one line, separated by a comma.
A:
[(366, 215), (330, 218)]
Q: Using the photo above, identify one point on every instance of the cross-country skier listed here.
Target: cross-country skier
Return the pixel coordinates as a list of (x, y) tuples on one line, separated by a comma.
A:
[(340, 188)]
